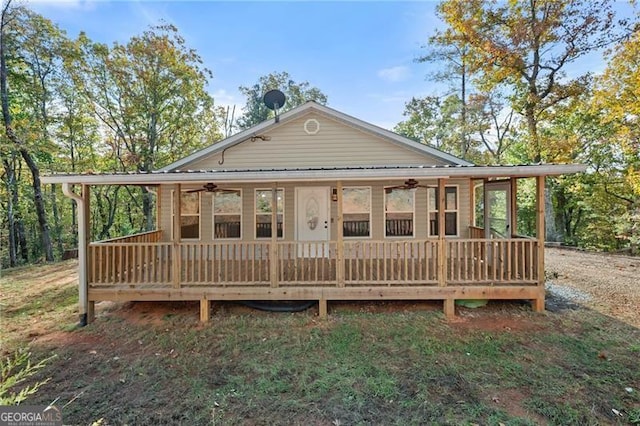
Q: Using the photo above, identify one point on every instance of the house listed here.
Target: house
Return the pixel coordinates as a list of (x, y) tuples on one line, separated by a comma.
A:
[(318, 205)]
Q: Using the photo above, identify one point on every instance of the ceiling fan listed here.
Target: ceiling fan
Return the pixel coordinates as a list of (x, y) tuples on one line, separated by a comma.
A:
[(408, 184), (211, 187)]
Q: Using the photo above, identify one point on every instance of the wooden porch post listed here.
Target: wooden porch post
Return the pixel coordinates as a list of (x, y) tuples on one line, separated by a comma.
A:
[(85, 307), (514, 207), (340, 238), (273, 258), (449, 304), (84, 240), (177, 235), (538, 304), (472, 205), (158, 207)]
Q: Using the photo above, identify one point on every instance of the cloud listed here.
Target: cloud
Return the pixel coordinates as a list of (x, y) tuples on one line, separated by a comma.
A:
[(224, 98), (394, 74)]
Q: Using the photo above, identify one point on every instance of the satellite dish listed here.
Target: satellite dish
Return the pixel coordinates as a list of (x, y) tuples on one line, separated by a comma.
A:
[(274, 100)]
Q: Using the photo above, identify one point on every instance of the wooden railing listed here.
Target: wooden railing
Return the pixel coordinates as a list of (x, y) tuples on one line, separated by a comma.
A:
[(226, 230), (142, 237), (138, 259), (143, 264), (232, 263), (307, 263), (355, 228), (391, 262), (263, 230), (399, 227), (476, 232), (496, 261), (314, 263)]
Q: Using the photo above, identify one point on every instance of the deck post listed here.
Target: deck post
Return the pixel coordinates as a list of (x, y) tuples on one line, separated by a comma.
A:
[(177, 235), (89, 312), (449, 304), (340, 238), (205, 310), (322, 308), (86, 310), (449, 308), (514, 206), (538, 303), (442, 279), (273, 257)]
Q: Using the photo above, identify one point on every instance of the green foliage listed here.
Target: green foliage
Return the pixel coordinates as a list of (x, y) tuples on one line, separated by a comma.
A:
[(15, 369), (295, 93)]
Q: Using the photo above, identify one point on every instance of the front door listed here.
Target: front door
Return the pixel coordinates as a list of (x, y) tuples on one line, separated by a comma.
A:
[(312, 220), (497, 209)]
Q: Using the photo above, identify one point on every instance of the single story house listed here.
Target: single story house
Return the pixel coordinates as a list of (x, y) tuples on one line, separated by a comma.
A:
[(318, 205)]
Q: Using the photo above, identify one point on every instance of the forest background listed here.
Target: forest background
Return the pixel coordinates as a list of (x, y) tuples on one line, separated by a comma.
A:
[(75, 105)]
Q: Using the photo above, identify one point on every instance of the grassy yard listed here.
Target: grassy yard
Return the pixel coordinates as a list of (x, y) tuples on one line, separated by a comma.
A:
[(369, 363)]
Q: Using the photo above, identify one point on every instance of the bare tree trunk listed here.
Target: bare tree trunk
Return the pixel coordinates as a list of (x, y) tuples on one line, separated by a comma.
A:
[(147, 209), (57, 225), (10, 182), (26, 156), (21, 236)]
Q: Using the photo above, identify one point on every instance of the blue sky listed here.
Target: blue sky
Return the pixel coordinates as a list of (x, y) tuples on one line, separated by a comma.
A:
[(360, 54)]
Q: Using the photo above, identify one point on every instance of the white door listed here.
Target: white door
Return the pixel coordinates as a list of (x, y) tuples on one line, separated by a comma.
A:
[(312, 220), (497, 209)]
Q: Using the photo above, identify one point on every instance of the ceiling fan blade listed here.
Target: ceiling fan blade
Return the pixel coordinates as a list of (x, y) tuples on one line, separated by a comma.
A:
[(390, 189), (191, 191)]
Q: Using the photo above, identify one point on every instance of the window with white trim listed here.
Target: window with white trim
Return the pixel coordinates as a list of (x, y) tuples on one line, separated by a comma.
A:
[(356, 211), (264, 209), (450, 210), (227, 214), (189, 215), (399, 212)]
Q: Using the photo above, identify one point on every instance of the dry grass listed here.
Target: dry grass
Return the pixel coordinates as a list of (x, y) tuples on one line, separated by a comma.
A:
[(369, 363)]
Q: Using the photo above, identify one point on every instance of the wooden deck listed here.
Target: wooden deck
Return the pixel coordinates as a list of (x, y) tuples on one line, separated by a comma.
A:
[(398, 269)]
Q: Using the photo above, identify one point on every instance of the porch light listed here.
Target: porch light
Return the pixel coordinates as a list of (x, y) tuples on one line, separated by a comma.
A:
[(334, 194)]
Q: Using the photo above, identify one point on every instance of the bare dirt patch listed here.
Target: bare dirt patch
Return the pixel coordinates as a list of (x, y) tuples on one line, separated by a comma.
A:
[(611, 281)]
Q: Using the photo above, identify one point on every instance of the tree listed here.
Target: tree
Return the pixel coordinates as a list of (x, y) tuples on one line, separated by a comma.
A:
[(527, 47), (451, 48), (494, 124), (432, 121), (296, 94), (151, 96), (616, 103), (28, 53)]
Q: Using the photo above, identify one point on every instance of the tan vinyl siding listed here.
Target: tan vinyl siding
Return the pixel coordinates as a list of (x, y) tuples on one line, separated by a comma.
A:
[(336, 144)]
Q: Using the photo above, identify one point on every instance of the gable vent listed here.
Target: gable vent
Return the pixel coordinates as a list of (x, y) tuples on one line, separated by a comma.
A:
[(311, 126)]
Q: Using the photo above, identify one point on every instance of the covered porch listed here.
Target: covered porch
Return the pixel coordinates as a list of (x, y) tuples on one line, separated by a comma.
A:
[(480, 262)]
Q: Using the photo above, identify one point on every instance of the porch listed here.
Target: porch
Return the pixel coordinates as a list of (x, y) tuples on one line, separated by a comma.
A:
[(320, 250), (142, 267)]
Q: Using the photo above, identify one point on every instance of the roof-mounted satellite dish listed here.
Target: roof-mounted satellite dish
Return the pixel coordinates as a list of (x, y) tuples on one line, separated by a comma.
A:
[(274, 100)]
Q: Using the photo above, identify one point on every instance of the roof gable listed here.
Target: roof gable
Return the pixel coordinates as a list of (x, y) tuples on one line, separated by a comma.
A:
[(313, 135)]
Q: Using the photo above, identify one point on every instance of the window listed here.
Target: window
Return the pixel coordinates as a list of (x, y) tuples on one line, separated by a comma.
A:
[(189, 215), (227, 214), (398, 208), (264, 204), (450, 210), (356, 212)]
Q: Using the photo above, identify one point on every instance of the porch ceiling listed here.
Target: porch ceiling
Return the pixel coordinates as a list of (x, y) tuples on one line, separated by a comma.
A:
[(315, 174)]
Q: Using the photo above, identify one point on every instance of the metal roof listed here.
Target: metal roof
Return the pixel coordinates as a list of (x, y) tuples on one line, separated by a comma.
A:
[(317, 174)]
